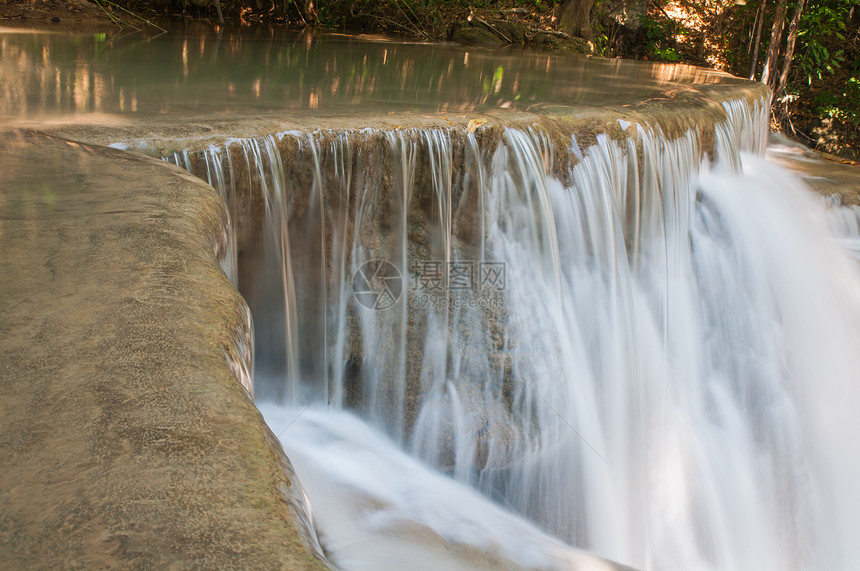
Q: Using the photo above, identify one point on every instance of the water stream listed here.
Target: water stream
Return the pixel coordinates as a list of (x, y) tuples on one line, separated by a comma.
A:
[(649, 356), (494, 346)]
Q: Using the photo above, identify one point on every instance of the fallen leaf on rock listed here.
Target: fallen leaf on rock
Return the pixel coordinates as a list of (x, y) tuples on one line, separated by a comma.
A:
[(474, 124)]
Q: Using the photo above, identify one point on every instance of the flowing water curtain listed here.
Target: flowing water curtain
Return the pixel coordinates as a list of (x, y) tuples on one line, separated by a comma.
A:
[(636, 354)]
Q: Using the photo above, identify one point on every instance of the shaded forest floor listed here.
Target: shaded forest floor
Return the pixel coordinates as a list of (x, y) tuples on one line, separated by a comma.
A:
[(52, 11), (823, 114)]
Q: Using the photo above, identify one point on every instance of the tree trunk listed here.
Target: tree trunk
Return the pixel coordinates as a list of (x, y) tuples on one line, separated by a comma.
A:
[(755, 45), (627, 13), (304, 8), (575, 18), (768, 74), (789, 48)]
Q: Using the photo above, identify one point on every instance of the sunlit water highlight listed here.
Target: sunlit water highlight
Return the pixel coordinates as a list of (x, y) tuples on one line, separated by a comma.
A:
[(667, 377)]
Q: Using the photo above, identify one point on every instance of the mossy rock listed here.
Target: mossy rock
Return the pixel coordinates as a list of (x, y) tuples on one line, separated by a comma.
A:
[(563, 44), (476, 35), (511, 32)]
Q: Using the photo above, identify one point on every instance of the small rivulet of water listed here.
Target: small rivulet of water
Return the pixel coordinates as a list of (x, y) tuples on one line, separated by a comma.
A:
[(480, 349)]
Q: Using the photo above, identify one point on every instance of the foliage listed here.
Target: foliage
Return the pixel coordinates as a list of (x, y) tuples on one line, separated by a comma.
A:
[(660, 36), (414, 17), (821, 104), (822, 22), (844, 106), (539, 5)]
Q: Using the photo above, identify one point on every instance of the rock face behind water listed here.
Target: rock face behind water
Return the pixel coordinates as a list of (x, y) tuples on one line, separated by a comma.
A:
[(126, 436)]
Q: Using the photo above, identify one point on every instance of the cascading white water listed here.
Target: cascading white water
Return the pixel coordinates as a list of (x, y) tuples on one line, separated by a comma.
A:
[(653, 358), (845, 223)]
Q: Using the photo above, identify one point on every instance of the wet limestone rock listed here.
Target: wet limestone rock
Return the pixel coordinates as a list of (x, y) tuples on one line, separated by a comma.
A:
[(126, 439)]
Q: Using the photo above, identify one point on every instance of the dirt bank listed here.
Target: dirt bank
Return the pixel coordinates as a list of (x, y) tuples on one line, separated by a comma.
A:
[(52, 11)]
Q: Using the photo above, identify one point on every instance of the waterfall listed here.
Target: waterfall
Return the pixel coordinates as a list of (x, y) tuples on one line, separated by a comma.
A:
[(845, 224), (644, 348)]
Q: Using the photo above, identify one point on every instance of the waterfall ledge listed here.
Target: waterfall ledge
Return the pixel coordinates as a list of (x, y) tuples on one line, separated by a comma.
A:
[(127, 435)]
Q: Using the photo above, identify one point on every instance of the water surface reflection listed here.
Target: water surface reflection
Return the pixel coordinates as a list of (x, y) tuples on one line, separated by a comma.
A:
[(239, 71)]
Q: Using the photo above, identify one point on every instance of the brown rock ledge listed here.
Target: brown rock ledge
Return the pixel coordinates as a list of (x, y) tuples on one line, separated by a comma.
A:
[(126, 439)]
